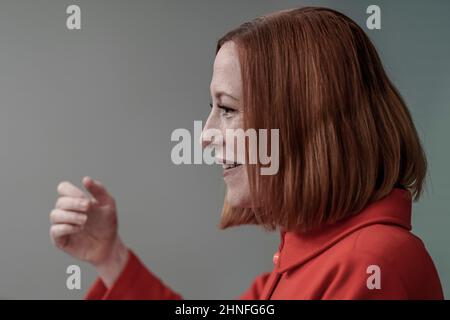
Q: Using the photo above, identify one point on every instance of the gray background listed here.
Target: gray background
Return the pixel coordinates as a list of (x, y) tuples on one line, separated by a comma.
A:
[(104, 100)]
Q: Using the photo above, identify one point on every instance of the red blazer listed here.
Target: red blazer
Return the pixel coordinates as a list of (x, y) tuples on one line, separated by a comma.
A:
[(372, 255)]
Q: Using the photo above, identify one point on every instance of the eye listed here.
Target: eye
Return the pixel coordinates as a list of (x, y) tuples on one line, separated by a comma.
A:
[(224, 111)]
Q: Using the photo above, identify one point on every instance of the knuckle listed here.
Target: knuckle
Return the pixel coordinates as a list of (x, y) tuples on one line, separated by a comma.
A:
[(52, 215), (53, 230), (59, 202)]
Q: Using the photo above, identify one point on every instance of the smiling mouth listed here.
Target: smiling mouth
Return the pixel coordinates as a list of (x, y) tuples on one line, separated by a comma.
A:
[(230, 166)]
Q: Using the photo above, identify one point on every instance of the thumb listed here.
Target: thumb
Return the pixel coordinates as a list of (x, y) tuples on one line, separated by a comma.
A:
[(97, 190)]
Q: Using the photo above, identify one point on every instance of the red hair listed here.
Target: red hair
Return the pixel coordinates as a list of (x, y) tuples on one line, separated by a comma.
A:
[(346, 135)]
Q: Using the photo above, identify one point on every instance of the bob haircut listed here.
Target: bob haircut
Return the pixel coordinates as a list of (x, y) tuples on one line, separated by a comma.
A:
[(346, 136)]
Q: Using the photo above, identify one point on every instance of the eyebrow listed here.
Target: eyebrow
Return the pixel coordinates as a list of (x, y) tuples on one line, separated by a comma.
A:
[(223, 93)]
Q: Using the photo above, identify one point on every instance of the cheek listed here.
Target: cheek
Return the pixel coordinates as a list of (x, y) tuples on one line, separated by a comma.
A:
[(232, 141), (230, 123), (238, 190)]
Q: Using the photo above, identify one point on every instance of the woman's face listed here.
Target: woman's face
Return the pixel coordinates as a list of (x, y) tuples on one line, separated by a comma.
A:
[(227, 113)]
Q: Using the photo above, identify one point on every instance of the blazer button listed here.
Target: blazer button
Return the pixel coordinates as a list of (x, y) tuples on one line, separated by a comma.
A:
[(276, 257)]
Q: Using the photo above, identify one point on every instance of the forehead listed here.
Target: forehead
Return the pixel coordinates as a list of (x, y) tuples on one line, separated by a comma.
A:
[(226, 71)]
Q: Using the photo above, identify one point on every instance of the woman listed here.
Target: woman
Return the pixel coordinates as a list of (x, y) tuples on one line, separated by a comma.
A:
[(350, 163)]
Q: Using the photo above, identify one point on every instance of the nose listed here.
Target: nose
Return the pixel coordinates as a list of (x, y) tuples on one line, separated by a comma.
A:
[(209, 132), (203, 142)]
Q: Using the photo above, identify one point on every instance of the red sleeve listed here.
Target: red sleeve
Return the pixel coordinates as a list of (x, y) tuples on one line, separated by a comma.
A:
[(254, 292), (135, 282)]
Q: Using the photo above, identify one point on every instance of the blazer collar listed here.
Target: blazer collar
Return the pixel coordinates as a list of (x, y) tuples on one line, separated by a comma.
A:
[(297, 248)]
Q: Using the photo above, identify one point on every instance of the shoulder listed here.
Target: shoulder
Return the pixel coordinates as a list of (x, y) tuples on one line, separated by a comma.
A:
[(389, 245), (399, 257), (387, 241)]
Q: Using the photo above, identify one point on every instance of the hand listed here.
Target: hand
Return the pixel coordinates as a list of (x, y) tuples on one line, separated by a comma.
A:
[(85, 226)]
